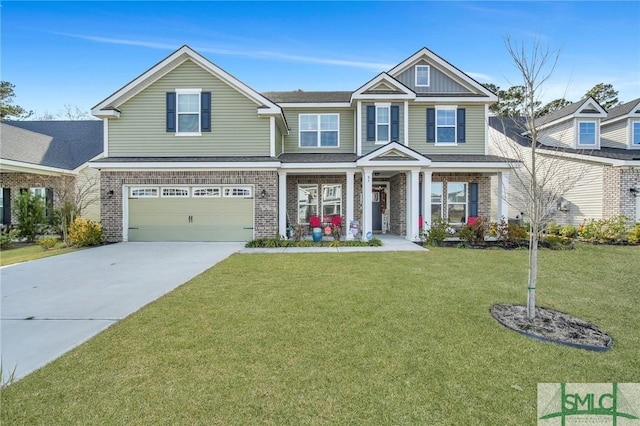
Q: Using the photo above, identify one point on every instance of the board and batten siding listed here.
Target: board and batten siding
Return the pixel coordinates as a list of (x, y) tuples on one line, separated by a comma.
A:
[(346, 135), (439, 82), (615, 135), (475, 131), (563, 134), (368, 146), (236, 128)]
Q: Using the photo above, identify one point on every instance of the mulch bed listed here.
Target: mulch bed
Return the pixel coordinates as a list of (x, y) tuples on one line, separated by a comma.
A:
[(553, 326)]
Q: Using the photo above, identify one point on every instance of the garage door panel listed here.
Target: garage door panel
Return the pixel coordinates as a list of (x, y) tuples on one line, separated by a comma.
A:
[(191, 219)]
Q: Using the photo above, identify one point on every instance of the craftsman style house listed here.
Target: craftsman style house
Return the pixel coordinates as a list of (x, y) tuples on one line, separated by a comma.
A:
[(192, 153), (596, 151)]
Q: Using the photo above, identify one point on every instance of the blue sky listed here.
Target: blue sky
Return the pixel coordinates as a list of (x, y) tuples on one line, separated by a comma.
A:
[(79, 53)]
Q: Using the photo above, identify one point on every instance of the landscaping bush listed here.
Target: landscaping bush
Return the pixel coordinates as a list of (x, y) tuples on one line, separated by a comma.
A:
[(29, 210), (634, 234), (613, 230), (568, 231), (437, 233), (83, 232), (553, 228), (511, 234), (7, 238), (556, 242), (47, 242)]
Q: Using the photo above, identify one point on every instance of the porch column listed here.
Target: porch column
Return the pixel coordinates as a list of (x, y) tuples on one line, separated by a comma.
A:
[(350, 197), (503, 193), (426, 200), (282, 204), (367, 187), (412, 204)]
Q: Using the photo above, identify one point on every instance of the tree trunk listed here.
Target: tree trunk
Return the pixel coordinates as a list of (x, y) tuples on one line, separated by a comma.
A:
[(533, 271)]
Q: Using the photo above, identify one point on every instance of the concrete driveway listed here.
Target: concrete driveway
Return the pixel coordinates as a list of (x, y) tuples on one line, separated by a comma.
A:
[(49, 306)]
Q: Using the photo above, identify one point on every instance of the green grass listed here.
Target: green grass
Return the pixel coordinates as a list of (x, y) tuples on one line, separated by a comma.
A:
[(354, 338), (19, 254)]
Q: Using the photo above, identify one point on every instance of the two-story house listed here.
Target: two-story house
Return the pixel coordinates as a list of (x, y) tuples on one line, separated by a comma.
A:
[(596, 155), (192, 153)]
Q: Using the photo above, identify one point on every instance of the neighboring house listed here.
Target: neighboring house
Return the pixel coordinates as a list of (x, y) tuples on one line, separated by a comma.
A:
[(598, 150), (192, 153), (47, 158)]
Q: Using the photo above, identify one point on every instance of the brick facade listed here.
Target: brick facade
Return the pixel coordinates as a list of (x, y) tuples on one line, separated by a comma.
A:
[(617, 197), (484, 189), (265, 209), (398, 204)]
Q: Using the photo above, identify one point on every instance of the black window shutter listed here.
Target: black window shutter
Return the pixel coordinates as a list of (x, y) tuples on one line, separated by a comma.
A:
[(371, 123), (171, 112), (6, 206), (461, 125), (395, 123), (473, 199), (431, 124), (205, 111), (49, 204)]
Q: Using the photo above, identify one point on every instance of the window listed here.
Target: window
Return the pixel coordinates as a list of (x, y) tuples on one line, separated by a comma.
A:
[(206, 192), (307, 202), (636, 133), (446, 125), (382, 123), (2, 219), (144, 192), (39, 192), (329, 201), (587, 133), (188, 111), (422, 75), (175, 192), (456, 202), (319, 130), (436, 200), (238, 191)]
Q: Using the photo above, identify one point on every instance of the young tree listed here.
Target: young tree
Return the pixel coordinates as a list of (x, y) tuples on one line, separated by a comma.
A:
[(542, 178), (605, 94), (7, 108), (29, 210), (75, 195)]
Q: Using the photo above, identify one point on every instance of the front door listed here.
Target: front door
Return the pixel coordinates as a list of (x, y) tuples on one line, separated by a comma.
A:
[(378, 208)]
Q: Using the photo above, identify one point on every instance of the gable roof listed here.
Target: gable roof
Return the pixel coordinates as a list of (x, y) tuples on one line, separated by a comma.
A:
[(444, 66), (629, 108), (586, 107), (381, 86), (300, 96), (393, 154), (109, 106), (63, 145)]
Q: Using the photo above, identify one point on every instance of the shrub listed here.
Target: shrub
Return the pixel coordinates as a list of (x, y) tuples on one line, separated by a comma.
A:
[(553, 228), (374, 242), (557, 242), (47, 242), (7, 238), (83, 232), (511, 233), (29, 210), (634, 234), (613, 230), (437, 233), (568, 231)]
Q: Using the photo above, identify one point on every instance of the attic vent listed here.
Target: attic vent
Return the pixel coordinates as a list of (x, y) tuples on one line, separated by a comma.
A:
[(589, 111)]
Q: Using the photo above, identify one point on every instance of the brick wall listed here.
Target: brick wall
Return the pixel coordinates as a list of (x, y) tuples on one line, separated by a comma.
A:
[(617, 196), (630, 178), (484, 189), (265, 213), (398, 204)]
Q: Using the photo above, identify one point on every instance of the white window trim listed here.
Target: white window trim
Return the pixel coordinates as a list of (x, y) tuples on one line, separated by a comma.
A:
[(36, 189), (227, 192), (319, 200), (188, 92), (466, 203), (596, 143), (321, 197), (428, 67), (431, 203), (388, 124), (217, 192), (631, 144), (306, 204), (319, 131), (455, 124)]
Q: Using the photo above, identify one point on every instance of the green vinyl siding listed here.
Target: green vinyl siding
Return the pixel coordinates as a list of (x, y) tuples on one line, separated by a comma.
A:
[(368, 146), (346, 130), (236, 127), (475, 131)]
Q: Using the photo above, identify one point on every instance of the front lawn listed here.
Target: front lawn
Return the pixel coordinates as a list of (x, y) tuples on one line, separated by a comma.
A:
[(343, 338), (25, 252)]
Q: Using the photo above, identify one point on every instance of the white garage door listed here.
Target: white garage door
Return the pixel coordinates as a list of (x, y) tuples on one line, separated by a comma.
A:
[(194, 213)]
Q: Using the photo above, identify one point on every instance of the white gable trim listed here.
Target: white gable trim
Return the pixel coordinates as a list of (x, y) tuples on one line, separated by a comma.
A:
[(19, 166), (385, 78), (631, 114), (577, 114), (169, 64), (426, 53), (414, 157)]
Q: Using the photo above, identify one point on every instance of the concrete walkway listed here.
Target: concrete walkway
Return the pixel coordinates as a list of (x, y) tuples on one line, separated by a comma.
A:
[(51, 305), (390, 242)]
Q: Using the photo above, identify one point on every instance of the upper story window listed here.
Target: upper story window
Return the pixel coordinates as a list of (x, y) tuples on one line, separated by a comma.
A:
[(422, 75), (382, 123), (188, 112), (446, 125), (319, 130), (587, 133), (635, 133)]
